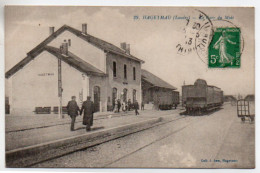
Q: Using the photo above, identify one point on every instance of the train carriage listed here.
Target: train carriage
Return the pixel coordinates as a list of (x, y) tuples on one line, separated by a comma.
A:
[(201, 97), (168, 100)]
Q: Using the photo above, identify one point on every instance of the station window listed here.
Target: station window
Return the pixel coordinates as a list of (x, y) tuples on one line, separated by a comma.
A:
[(114, 68), (134, 75), (125, 71), (134, 95)]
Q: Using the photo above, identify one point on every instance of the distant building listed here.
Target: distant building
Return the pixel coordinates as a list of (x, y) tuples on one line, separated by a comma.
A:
[(157, 92), (90, 67), (229, 98), (250, 97)]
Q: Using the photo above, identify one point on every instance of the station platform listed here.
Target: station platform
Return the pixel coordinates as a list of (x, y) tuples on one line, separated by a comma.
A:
[(24, 131)]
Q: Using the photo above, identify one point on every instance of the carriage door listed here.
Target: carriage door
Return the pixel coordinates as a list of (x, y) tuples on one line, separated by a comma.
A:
[(97, 98)]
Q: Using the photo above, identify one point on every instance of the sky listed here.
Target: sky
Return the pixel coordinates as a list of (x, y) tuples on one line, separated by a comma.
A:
[(153, 41)]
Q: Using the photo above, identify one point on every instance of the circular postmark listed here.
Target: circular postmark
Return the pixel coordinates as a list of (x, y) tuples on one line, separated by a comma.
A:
[(218, 43), (198, 34), (203, 39)]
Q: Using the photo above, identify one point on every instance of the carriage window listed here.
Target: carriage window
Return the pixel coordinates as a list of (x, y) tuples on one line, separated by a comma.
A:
[(134, 76), (125, 71), (114, 68)]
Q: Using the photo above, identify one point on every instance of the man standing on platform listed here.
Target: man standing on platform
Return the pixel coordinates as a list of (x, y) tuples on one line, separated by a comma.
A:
[(142, 105), (88, 108), (73, 110), (129, 104), (136, 106), (118, 105)]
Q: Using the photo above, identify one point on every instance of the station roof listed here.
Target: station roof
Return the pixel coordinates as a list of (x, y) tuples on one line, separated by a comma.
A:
[(70, 59), (89, 38), (75, 61), (97, 42), (156, 81)]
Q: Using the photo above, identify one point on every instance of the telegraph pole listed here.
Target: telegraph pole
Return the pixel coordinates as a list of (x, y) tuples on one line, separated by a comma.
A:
[(60, 88), (64, 51), (60, 83)]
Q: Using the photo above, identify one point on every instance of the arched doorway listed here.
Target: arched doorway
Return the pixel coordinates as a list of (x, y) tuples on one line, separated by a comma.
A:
[(125, 95), (114, 96), (97, 98)]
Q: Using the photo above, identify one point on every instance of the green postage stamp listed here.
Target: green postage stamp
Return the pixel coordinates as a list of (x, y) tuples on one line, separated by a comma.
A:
[(224, 49)]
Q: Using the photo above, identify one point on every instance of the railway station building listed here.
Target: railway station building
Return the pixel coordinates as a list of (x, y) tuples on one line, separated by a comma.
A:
[(156, 91), (250, 98), (89, 67), (229, 98)]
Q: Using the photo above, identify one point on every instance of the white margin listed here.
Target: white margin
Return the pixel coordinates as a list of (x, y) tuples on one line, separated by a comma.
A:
[(230, 3)]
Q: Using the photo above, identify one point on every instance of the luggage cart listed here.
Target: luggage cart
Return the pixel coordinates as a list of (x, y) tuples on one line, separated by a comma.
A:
[(243, 111)]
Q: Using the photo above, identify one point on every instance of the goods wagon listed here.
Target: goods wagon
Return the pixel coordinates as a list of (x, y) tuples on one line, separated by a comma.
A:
[(201, 97), (167, 100)]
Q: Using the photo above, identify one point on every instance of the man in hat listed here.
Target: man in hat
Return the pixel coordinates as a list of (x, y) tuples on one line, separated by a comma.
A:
[(129, 104), (73, 110), (88, 108), (118, 105), (136, 106)]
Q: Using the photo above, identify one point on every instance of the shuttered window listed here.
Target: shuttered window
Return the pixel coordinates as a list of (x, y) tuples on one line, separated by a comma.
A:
[(134, 75), (114, 68), (125, 71)]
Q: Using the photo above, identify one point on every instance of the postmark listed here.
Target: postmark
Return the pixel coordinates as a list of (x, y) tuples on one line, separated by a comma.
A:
[(198, 34), (224, 49)]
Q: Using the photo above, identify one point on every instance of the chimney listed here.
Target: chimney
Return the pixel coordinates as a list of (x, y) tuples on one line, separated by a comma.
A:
[(123, 46), (64, 48), (51, 29), (69, 42), (84, 28), (127, 50)]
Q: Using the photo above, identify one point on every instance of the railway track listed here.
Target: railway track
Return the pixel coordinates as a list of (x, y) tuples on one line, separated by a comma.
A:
[(161, 122), (147, 145), (174, 121), (157, 140), (23, 157)]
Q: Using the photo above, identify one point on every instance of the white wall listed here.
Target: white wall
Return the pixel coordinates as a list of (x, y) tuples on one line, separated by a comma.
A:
[(82, 49), (29, 90)]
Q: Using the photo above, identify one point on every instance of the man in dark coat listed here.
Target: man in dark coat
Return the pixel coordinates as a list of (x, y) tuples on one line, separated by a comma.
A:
[(73, 110), (136, 106), (88, 108), (129, 104), (118, 105)]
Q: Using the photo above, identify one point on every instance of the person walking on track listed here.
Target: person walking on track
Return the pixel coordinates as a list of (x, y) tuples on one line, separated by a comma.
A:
[(88, 109), (73, 111)]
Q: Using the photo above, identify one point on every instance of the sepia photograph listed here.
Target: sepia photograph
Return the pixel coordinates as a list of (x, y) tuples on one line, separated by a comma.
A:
[(129, 87)]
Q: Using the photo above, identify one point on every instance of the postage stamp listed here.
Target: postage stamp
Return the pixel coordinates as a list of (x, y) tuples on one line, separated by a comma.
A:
[(224, 49)]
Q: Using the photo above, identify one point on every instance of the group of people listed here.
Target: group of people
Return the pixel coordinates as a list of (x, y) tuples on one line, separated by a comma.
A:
[(87, 108), (126, 106)]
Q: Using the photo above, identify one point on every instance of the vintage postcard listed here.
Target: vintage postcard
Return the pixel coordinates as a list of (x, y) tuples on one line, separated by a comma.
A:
[(129, 87)]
